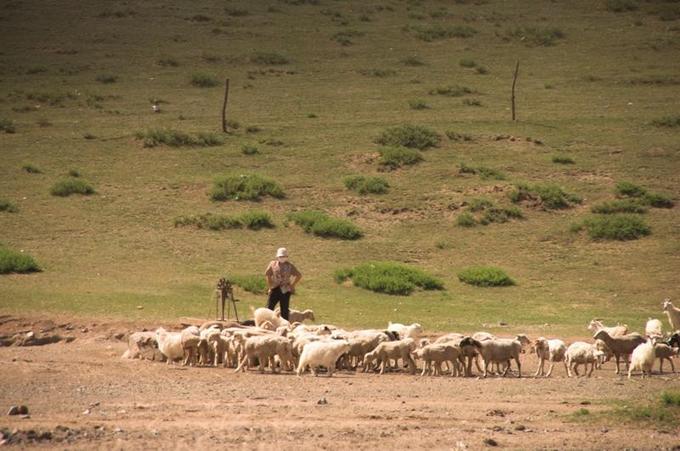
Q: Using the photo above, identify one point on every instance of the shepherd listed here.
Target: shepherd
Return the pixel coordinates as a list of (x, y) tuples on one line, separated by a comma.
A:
[(282, 276)]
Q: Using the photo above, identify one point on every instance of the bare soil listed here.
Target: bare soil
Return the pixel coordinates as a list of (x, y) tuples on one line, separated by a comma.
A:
[(82, 395)]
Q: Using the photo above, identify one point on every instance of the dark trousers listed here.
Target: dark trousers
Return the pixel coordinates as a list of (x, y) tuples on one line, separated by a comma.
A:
[(276, 297)]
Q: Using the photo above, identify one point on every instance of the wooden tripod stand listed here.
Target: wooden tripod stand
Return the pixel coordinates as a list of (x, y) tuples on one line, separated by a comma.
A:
[(224, 293)]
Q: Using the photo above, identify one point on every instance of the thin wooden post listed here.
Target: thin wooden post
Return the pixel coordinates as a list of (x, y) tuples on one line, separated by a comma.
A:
[(514, 81), (224, 106)]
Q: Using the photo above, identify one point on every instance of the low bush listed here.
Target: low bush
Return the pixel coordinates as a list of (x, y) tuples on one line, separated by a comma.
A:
[(466, 219), (412, 61), (620, 6), (482, 70), (389, 277), (438, 32), (167, 62), (269, 59), (537, 36), (629, 189), (320, 224), (485, 276), (472, 102), (619, 227), (245, 187), (562, 159), (251, 284), (667, 121), (107, 78), (487, 213), (16, 262), (657, 200), (8, 206), (411, 136), (467, 62), (249, 150), (619, 206), (366, 185), (236, 12), (7, 126), (549, 196), (396, 157), (31, 169), (451, 91), (379, 73), (202, 80), (253, 220), (418, 105), (484, 172), (73, 173), (344, 37), (71, 185), (174, 138), (500, 215), (455, 136)]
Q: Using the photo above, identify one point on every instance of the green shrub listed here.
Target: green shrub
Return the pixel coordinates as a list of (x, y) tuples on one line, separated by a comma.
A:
[(500, 215), (411, 136), (537, 36), (201, 80), (253, 220), (614, 227), (658, 200), (484, 172), (344, 37), (451, 91), (549, 196), (256, 220), (389, 277), (320, 224), (16, 262), (412, 61), (379, 73), (619, 6), (667, 121), (671, 398), (107, 78), (455, 136), (438, 32), (467, 62), (479, 204), (251, 284), (418, 104), (396, 157), (466, 219), (31, 169), (269, 59), (73, 173), (245, 187), (562, 159), (174, 138), (629, 189), (366, 185), (249, 150), (472, 102), (236, 12), (71, 185), (485, 276), (8, 206), (7, 126), (619, 206)]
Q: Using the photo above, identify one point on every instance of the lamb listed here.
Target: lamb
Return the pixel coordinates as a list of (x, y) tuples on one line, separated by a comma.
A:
[(437, 354), (614, 331), (360, 345), (143, 345), (581, 353), (264, 314), (550, 350), (296, 316), (653, 328), (469, 348), (414, 330), (621, 345), (642, 358), (501, 350), (264, 348), (190, 338), (170, 344), (385, 351), (321, 353), (673, 314), (664, 352)]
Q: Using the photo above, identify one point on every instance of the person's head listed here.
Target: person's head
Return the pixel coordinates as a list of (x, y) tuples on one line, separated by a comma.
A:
[(282, 254)]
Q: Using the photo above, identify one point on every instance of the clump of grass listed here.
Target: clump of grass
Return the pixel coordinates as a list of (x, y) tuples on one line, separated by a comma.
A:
[(619, 206), (168, 62), (202, 80), (484, 172), (620, 6), (500, 215), (657, 200), (320, 224), (389, 277), (253, 220), (467, 62), (344, 37), (379, 73), (107, 78), (439, 32), (485, 276), (269, 59), (472, 102), (619, 227), (487, 213), (8, 206), (562, 159), (482, 70), (245, 187), (251, 283), (628, 189), (412, 61), (73, 173), (396, 157), (253, 129), (418, 104), (71, 185), (479, 204), (16, 262), (537, 36), (548, 196), (31, 169), (43, 122), (7, 126), (174, 138), (249, 150), (667, 121), (455, 136), (366, 185), (411, 136), (89, 136), (664, 412), (451, 91), (236, 12), (466, 219), (671, 398)]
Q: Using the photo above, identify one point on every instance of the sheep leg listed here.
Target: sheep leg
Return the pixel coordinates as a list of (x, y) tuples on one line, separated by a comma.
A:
[(539, 370), (454, 368), (576, 369), (410, 363), (617, 364), (519, 367), (382, 366), (242, 365), (568, 366), (425, 364), (592, 367), (672, 365), (552, 365), (486, 366)]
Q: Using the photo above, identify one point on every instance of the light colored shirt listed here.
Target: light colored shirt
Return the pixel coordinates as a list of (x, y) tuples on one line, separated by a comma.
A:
[(281, 274)]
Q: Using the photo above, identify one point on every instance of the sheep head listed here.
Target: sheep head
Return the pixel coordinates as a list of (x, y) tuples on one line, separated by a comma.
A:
[(601, 335)]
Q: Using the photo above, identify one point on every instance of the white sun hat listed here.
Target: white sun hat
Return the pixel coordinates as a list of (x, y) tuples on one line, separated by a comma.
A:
[(282, 252)]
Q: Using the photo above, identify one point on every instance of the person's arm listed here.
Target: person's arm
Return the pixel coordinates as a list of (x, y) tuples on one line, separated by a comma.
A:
[(297, 275), (268, 277)]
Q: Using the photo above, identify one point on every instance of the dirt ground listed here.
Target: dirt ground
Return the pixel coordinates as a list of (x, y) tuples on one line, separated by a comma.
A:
[(82, 395)]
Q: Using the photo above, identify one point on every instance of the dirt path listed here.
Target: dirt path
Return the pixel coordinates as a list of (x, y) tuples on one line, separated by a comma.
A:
[(82, 395)]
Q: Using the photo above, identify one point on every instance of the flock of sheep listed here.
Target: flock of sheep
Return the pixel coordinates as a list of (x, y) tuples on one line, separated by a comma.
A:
[(271, 341)]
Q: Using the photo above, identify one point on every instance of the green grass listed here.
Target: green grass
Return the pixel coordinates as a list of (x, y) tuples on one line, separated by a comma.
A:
[(486, 212), (451, 91), (547, 196), (269, 59), (7, 206), (176, 138), (620, 227), (533, 36), (16, 262), (245, 187), (366, 185), (388, 277), (466, 219), (203, 80), (484, 172), (250, 283), (320, 224), (7, 126), (620, 6), (631, 190), (249, 150), (438, 32), (411, 136), (396, 157), (68, 186), (619, 206), (418, 104), (253, 220), (562, 159), (485, 276), (662, 411)]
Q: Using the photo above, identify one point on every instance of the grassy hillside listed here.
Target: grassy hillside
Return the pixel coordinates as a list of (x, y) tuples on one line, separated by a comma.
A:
[(77, 82)]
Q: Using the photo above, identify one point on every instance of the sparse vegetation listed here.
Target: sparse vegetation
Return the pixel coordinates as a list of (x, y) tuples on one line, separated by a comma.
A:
[(379, 73), (411, 136), (71, 185), (7, 206), (657, 200), (485, 276), (366, 185), (389, 277), (175, 138), (236, 12), (31, 169), (620, 6), (16, 262), (467, 62), (562, 159), (251, 283), (451, 91), (73, 173), (320, 224), (455, 136), (168, 62), (439, 32), (537, 36), (253, 220), (486, 213), (269, 59), (619, 206), (418, 104), (472, 102), (202, 80), (249, 150), (245, 187), (7, 126), (619, 227), (107, 78), (667, 121), (484, 172), (412, 61), (396, 157), (466, 219), (547, 196), (663, 412)]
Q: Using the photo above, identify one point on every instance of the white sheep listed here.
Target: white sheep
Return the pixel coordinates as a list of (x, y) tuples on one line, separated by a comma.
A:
[(321, 354), (615, 331), (581, 353), (469, 349), (551, 350), (262, 314), (436, 354), (653, 328), (501, 351), (642, 358), (170, 344), (388, 350), (265, 348), (191, 339), (673, 314), (414, 330), (297, 316), (665, 352)]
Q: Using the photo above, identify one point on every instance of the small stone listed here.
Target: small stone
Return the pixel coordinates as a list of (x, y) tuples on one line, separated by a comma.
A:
[(14, 410), (140, 307), (585, 403), (322, 401), (118, 430), (604, 430), (87, 412), (490, 442), (520, 427)]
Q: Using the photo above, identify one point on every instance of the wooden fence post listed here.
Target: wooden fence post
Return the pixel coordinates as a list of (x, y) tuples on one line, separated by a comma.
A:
[(224, 107), (514, 81)]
